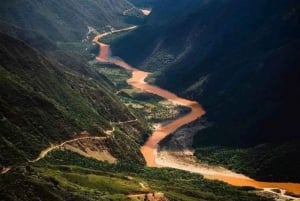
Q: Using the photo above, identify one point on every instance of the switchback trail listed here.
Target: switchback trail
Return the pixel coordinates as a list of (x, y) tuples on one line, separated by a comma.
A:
[(150, 147)]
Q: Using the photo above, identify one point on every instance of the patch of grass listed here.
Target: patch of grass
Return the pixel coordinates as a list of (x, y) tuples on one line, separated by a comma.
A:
[(92, 181), (146, 106), (122, 178), (83, 48), (115, 74)]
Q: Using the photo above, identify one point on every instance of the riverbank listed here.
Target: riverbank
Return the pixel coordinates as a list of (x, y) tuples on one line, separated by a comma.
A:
[(149, 149)]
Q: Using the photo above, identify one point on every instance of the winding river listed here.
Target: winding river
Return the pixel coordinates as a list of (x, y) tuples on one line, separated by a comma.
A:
[(149, 149)]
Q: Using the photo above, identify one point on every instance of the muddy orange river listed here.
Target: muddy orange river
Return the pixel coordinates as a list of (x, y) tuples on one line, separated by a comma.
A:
[(149, 148)]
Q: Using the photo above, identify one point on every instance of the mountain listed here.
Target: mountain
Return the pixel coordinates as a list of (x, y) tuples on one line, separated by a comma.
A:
[(68, 132), (240, 60), (64, 175), (142, 3), (66, 20), (44, 102), (49, 96), (49, 92), (148, 39), (164, 11)]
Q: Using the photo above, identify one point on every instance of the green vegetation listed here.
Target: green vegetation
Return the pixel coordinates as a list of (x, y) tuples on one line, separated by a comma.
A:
[(147, 106), (256, 161), (66, 175), (49, 92), (67, 20), (116, 75), (46, 98), (142, 3), (83, 48), (240, 61), (112, 37)]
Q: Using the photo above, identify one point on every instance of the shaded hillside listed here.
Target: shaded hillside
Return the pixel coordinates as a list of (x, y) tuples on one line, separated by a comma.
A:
[(240, 60), (30, 37), (142, 3), (244, 69), (164, 11), (66, 20), (44, 101), (149, 40)]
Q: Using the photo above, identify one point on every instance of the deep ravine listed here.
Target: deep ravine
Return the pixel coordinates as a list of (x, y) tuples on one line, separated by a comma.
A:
[(149, 149)]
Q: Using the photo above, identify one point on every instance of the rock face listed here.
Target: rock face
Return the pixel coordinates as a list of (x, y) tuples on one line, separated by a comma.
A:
[(182, 139), (176, 151)]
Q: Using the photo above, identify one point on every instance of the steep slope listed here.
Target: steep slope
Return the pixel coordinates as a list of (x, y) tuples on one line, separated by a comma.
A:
[(240, 60), (142, 3), (52, 98), (44, 101), (30, 37), (148, 40), (67, 176), (66, 20), (242, 50)]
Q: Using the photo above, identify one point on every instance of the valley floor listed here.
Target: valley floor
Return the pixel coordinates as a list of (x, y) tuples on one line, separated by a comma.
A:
[(168, 159)]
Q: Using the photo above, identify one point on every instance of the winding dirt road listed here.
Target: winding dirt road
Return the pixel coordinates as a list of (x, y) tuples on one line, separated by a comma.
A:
[(150, 147), (44, 152)]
